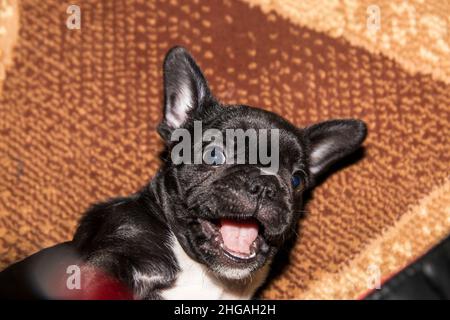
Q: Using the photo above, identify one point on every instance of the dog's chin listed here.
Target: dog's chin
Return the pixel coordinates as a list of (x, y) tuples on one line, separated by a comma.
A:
[(228, 253)]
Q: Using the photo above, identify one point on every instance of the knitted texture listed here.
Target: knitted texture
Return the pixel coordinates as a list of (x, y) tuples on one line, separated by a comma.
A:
[(9, 27), (413, 32), (79, 110)]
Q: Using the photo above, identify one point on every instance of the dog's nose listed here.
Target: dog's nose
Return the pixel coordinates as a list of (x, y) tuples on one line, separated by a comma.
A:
[(263, 188)]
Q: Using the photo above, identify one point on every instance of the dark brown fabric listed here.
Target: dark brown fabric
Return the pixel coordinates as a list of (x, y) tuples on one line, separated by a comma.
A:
[(79, 111)]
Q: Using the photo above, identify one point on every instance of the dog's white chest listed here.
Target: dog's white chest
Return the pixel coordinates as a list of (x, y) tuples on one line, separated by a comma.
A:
[(196, 282)]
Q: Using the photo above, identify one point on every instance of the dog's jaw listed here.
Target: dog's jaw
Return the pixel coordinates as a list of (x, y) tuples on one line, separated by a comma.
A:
[(196, 281)]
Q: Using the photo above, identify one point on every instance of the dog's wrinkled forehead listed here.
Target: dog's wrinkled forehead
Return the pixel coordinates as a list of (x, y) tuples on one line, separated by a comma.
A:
[(290, 142)]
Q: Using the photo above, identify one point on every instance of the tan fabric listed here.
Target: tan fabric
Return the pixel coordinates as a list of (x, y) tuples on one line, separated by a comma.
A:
[(79, 110), (415, 33), (9, 27), (415, 232)]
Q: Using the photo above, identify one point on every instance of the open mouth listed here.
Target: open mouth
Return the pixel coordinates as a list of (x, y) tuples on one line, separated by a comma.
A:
[(239, 240)]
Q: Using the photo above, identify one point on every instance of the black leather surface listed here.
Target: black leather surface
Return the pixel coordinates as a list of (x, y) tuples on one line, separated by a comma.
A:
[(427, 278)]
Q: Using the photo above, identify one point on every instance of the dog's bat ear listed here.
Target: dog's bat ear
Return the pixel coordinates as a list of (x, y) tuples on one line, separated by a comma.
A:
[(332, 140), (185, 88)]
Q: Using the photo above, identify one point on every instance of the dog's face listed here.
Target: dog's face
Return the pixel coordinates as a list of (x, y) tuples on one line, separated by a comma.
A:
[(229, 214)]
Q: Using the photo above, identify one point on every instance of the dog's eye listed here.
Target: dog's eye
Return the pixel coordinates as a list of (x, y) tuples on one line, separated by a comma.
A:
[(296, 181), (214, 156)]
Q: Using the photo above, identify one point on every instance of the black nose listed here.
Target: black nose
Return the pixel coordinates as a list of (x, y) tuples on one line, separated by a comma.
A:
[(263, 187)]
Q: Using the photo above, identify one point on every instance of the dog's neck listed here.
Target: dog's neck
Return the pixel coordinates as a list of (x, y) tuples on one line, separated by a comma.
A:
[(159, 194)]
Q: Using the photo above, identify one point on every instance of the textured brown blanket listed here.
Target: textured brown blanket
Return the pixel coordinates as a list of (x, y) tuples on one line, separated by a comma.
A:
[(79, 109)]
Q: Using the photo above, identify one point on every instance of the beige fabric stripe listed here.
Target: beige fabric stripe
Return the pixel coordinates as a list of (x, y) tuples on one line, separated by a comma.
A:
[(9, 27), (414, 33), (412, 236)]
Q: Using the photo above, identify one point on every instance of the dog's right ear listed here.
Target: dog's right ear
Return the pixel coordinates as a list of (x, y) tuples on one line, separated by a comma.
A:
[(332, 140), (185, 90)]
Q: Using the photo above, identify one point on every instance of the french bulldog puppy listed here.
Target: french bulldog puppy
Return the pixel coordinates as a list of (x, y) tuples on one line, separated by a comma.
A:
[(209, 229)]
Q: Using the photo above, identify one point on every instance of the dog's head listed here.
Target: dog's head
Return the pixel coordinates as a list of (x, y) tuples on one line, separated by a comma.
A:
[(234, 175)]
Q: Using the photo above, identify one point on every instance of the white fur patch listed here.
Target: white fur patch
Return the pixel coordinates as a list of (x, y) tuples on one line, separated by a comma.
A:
[(176, 115), (196, 282), (317, 155)]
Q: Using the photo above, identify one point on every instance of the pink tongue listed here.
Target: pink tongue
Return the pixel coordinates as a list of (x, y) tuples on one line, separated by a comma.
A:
[(238, 236)]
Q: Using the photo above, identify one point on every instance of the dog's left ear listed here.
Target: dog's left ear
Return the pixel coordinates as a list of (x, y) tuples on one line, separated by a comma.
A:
[(329, 141), (185, 89)]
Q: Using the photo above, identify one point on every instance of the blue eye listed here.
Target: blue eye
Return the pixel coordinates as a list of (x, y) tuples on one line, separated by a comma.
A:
[(296, 181), (214, 156)]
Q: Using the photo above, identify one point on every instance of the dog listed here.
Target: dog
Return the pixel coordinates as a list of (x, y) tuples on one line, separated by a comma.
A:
[(204, 230)]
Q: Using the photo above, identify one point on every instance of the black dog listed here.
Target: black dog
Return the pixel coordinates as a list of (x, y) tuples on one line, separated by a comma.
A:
[(202, 230)]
